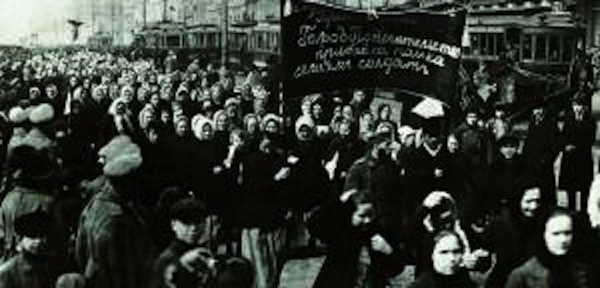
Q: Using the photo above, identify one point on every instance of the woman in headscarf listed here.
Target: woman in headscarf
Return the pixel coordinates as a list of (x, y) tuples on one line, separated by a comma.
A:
[(208, 168), (182, 151), (510, 235), (554, 263), (446, 270), (221, 133), (119, 121), (437, 213), (252, 130)]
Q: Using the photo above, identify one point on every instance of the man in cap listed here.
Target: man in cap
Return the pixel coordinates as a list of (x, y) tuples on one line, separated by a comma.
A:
[(189, 252), (31, 267), (576, 171), (113, 248)]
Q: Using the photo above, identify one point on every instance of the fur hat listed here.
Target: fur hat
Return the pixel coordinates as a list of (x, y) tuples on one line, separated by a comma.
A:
[(122, 164), (119, 145), (17, 115), (41, 114), (34, 224)]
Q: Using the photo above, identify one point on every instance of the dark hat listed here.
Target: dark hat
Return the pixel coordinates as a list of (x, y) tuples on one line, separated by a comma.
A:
[(33, 225), (508, 140), (188, 210)]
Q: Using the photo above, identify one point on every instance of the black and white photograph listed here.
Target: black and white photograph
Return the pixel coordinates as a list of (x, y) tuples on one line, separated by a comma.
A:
[(299, 143)]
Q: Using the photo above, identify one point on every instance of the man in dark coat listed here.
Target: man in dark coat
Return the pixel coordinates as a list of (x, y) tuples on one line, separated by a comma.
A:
[(541, 147), (113, 248), (576, 171)]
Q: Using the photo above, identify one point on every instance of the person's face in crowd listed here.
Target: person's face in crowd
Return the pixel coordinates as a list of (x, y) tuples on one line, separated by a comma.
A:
[(433, 140), (304, 133), (87, 83), (444, 220), (98, 95), (189, 233), (453, 145), (154, 99), (33, 245), (121, 108), (508, 151), (236, 139), (105, 80), (204, 83), (410, 140), (530, 202), (558, 235), (379, 150), (34, 94), (271, 127), (216, 93), (231, 111), (181, 128), (447, 255), (152, 78), (152, 135), (113, 91), (128, 95), (344, 130), (362, 215), (252, 125), (471, 119), (385, 113), (538, 114), (348, 113), (259, 107), (181, 96), (246, 92), (366, 121), (499, 113), (51, 92), (578, 109), (221, 123), (358, 96), (317, 111), (265, 146), (306, 107), (27, 73), (207, 132)]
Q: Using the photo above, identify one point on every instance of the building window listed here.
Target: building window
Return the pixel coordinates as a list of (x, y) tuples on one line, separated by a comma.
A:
[(568, 48)]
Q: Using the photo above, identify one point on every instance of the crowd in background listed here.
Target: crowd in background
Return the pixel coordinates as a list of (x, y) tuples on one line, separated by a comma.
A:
[(138, 173)]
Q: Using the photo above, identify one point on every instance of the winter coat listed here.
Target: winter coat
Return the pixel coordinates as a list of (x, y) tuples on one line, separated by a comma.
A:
[(23, 271), (576, 171), (20, 201), (533, 274), (113, 248), (332, 224), (431, 279)]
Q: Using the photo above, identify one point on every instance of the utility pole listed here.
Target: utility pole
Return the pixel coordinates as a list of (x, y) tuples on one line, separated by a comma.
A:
[(224, 31), (144, 12)]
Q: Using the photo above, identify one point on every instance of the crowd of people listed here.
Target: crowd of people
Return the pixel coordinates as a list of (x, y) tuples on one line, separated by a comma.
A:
[(134, 173)]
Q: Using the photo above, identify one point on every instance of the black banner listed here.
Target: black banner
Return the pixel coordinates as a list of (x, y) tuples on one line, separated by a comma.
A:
[(327, 48)]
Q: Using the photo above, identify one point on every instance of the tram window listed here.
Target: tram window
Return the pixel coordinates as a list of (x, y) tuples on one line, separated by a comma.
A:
[(554, 49), (540, 48), (526, 47), (568, 48), (173, 41), (475, 42), (500, 43)]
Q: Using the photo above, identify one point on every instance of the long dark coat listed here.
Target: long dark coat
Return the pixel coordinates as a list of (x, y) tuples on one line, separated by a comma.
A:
[(332, 224), (113, 247), (577, 167)]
